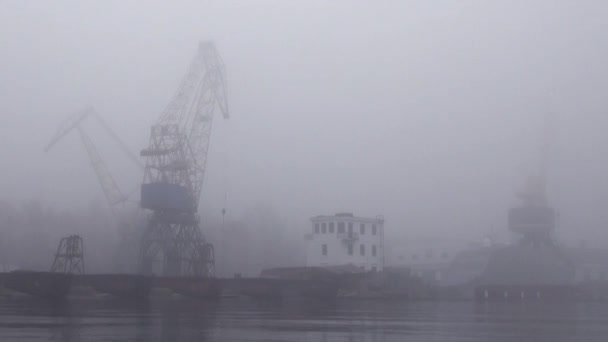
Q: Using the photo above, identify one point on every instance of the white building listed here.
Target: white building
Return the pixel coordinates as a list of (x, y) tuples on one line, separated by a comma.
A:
[(344, 239)]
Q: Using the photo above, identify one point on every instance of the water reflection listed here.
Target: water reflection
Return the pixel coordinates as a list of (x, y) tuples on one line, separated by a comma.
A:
[(65, 323), (183, 319), (188, 320), (528, 321)]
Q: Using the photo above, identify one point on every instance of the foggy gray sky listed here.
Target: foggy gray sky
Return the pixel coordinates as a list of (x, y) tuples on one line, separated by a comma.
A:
[(428, 112)]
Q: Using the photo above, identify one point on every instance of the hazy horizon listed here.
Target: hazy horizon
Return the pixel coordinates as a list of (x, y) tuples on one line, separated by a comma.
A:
[(427, 113)]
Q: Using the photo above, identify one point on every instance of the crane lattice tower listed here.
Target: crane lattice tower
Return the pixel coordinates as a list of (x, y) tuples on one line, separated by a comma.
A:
[(176, 158)]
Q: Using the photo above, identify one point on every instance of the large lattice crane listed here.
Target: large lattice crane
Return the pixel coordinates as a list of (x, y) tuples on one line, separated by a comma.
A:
[(176, 158)]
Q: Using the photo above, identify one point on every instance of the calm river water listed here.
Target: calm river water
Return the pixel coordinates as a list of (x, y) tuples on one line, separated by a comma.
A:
[(181, 319)]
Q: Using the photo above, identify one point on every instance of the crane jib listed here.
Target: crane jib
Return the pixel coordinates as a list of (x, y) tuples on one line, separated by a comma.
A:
[(178, 146)]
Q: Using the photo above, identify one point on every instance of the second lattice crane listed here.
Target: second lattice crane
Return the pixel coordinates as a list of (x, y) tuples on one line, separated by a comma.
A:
[(112, 192)]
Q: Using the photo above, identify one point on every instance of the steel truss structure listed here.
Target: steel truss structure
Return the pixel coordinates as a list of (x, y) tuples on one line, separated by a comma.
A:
[(70, 256), (176, 157)]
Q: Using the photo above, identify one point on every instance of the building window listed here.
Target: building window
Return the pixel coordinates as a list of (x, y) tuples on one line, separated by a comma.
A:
[(316, 228), (362, 228), (350, 227), (374, 250), (331, 228), (323, 228), (340, 227), (362, 249), (444, 255), (324, 249), (414, 256), (374, 229), (350, 249)]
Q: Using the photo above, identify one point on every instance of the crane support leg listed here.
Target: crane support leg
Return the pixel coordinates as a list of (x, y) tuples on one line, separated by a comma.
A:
[(173, 245)]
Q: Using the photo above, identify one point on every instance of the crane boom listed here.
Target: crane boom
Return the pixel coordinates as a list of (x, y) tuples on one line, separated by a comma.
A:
[(211, 94), (110, 188), (71, 122), (116, 138), (179, 143), (108, 184), (67, 126)]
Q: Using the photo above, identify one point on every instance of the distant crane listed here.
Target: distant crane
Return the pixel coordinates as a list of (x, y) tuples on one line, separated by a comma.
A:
[(535, 219), (176, 159), (535, 187), (112, 192)]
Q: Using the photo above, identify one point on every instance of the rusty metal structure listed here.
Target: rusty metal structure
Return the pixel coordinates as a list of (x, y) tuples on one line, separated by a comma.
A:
[(70, 256), (176, 158)]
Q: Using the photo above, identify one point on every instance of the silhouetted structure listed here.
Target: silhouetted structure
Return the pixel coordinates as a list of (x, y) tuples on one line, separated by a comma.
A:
[(69, 257), (534, 266), (175, 167)]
